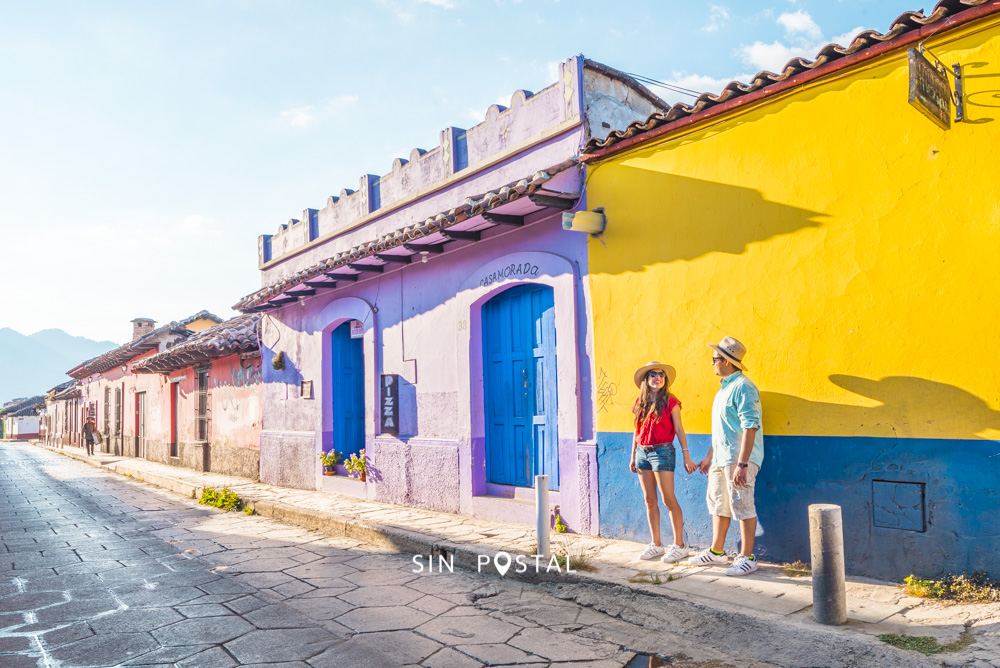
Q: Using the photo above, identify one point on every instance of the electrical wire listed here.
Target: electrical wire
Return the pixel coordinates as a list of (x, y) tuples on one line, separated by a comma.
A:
[(662, 84)]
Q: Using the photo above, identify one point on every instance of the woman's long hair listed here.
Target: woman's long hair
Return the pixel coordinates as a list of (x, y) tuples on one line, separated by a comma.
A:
[(651, 402)]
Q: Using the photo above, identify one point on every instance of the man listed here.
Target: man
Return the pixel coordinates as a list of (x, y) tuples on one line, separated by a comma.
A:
[(89, 435), (733, 460)]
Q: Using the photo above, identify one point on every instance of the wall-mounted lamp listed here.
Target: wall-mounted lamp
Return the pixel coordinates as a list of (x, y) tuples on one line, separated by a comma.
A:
[(591, 222), (124, 368), (423, 256)]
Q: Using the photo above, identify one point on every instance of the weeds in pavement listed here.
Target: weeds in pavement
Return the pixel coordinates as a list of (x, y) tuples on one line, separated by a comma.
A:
[(247, 510), (967, 588), (225, 499), (797, 569), (649, 577), (927, 644)]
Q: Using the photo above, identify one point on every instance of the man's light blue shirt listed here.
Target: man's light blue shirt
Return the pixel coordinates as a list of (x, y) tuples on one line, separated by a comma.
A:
[(736, 407)]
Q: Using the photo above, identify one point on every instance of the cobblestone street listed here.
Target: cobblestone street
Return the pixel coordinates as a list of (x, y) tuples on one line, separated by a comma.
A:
[(100, 570)]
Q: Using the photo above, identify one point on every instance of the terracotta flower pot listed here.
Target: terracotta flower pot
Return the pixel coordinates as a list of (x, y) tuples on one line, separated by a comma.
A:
[(329, 470)]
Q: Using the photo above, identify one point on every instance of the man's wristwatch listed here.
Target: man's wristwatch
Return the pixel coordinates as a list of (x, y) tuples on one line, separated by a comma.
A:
[(742, 465)]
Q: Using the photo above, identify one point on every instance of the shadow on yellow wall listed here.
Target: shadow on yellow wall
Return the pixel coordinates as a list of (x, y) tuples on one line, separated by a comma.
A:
[(981, 92), (684, 218), (908, 408)]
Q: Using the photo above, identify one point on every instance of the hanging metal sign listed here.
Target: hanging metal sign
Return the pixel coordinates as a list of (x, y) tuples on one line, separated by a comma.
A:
[(389, 404), (357, 329), (929, 90)]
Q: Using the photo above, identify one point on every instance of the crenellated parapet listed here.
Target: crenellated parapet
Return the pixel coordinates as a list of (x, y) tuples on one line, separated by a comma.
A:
[(462, 152)]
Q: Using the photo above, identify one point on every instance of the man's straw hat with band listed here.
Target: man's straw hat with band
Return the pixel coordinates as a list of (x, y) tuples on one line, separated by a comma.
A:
[(640, 373), (732, 350)]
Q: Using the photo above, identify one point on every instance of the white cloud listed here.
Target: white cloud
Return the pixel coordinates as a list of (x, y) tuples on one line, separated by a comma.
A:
[(443, 4), (718, 17), (800, 22), (476, 115), (303, 117), (804, 38), (694, 82)]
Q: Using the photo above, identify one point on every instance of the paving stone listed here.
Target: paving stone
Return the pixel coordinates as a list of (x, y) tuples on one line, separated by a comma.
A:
[(278, 617), (381, 577), (210, 658), (392, 595), (499, 654), (202, 631), (66, 634), (446, 657), (365, 620), (144, 597), (432, 605), (320, 608), (562, 646), (104, 650), (23, 661), (321, 568), (354, 654), (31, 601), (472, 630), (73, 610), (135, 620), (205, 610), (405, 647), (445, 583), (264, 580), (167, 656), (283, 645), (226, 585), (14, 644)]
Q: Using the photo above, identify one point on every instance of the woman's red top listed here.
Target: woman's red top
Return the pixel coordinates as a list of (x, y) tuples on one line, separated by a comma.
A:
[(657, 430)]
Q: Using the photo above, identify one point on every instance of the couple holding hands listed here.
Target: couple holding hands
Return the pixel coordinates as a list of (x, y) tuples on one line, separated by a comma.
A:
[(731, 464)]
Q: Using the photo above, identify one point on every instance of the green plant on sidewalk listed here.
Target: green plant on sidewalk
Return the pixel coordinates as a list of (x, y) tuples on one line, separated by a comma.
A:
[(225, 499), (976, 587), (927, 644)]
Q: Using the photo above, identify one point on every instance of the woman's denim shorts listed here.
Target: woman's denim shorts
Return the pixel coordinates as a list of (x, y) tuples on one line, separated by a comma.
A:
[(662, 458)]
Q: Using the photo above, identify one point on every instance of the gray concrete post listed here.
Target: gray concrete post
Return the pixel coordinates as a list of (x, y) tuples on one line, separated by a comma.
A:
[(542, 515), (826, 542)]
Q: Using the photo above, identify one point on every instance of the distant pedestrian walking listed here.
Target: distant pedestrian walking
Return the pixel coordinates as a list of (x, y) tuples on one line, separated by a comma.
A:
[(657, 422), (90, 435), (733, 460)]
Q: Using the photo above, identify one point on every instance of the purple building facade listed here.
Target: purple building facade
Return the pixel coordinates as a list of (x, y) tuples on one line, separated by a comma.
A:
[(438, 317)]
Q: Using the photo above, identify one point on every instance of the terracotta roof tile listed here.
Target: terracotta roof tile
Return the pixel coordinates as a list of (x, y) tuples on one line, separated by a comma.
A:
[(236, 336), (473, 206), (906, 22)]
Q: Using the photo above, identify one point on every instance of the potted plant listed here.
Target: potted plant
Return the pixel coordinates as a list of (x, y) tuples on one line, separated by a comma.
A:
[(357, 465), (330, 460)]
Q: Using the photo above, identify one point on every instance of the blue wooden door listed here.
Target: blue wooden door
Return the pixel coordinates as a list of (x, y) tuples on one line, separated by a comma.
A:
[(348, 391), (519, 377)]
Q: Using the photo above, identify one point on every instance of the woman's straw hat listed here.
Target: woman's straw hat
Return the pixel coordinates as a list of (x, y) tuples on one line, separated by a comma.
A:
[(640, 373), (732, 350)]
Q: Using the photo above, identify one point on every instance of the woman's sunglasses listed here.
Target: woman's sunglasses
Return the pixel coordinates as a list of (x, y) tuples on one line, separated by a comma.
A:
[(657, 374)]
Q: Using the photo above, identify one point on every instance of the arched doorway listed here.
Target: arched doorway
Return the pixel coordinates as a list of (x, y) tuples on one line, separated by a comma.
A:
[(520, 386), (348, 390)]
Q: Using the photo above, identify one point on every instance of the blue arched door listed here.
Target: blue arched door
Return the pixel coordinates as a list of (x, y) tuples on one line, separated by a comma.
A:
[(519, 377), (348, 390)]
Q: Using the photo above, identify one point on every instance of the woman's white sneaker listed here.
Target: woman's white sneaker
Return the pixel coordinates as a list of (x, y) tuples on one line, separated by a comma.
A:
[(651, 552), (674, 554), (708, 558), (742, 566)]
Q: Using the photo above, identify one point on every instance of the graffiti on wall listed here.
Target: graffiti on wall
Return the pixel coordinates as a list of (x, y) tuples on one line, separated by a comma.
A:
[(606, 391)]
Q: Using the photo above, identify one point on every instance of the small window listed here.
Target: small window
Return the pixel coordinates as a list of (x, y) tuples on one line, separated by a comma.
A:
[(202, 405)]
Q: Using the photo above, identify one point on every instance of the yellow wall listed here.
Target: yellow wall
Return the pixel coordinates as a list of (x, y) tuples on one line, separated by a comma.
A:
[(200, 325), (852, 244)]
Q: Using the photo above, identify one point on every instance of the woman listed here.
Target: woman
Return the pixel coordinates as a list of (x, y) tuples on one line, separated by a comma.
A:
[(657, 422)]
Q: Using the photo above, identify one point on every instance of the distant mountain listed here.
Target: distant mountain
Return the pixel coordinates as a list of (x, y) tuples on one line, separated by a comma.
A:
[(31, 365)]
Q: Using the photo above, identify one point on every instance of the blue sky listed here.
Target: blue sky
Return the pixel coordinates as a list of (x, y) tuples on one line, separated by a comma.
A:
[(145, 146)]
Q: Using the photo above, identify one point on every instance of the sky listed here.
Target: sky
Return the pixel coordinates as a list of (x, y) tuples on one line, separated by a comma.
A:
[(144, 146)]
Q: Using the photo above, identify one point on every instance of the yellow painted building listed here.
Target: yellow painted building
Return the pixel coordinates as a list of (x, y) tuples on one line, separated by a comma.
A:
[(852, 244)]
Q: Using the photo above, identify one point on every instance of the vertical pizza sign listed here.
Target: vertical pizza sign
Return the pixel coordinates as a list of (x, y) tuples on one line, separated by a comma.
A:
[(389, 404)]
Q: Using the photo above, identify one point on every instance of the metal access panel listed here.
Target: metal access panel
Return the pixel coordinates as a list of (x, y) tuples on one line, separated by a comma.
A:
[(899, 505)]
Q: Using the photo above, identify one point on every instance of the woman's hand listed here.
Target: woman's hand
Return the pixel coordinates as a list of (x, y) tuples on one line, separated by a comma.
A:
[(689, 464), (631, 464)]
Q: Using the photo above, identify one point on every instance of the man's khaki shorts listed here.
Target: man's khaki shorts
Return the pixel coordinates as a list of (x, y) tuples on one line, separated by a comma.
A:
[(724, 500)]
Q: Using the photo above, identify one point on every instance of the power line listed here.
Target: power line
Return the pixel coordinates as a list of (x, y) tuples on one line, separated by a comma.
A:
[(662, 84)]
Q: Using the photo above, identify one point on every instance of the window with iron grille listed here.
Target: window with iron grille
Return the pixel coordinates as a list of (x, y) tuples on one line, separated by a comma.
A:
[(118, 411), (107, 410), (201, 405)]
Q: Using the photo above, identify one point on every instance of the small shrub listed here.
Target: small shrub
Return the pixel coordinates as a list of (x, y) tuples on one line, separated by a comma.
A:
[(225, 499), (560, 525), (357, 464), (797, 569), (278, 363), (331, 458), (247, 510), (976, 587)]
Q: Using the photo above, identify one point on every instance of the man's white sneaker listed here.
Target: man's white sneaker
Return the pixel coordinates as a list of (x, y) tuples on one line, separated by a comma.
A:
[(674, 554), (742, 566), (708, 558), (651, 552)]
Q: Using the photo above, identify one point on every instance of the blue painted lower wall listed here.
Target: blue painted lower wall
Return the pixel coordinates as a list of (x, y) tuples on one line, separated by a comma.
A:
[(910, 506)]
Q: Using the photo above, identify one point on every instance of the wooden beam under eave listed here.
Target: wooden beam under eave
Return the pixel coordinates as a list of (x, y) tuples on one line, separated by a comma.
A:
[(397, 259), (503, 219), (425, 248), (350, 278), (459, 235), (308, 292), (321, 283), (374, 268)]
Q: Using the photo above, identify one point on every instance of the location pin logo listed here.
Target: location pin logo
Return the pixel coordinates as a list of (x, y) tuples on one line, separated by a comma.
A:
[(502, 569)]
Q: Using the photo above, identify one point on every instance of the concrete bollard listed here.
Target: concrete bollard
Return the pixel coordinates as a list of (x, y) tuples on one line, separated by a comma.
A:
[(826, 542), (542, 514)]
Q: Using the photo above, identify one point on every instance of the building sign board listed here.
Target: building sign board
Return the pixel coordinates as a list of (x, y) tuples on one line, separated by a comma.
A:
[(357, 329), (389, 404), (929, 90)]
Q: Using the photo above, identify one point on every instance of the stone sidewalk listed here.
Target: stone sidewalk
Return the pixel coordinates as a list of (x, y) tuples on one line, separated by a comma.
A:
[(769, 595)]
